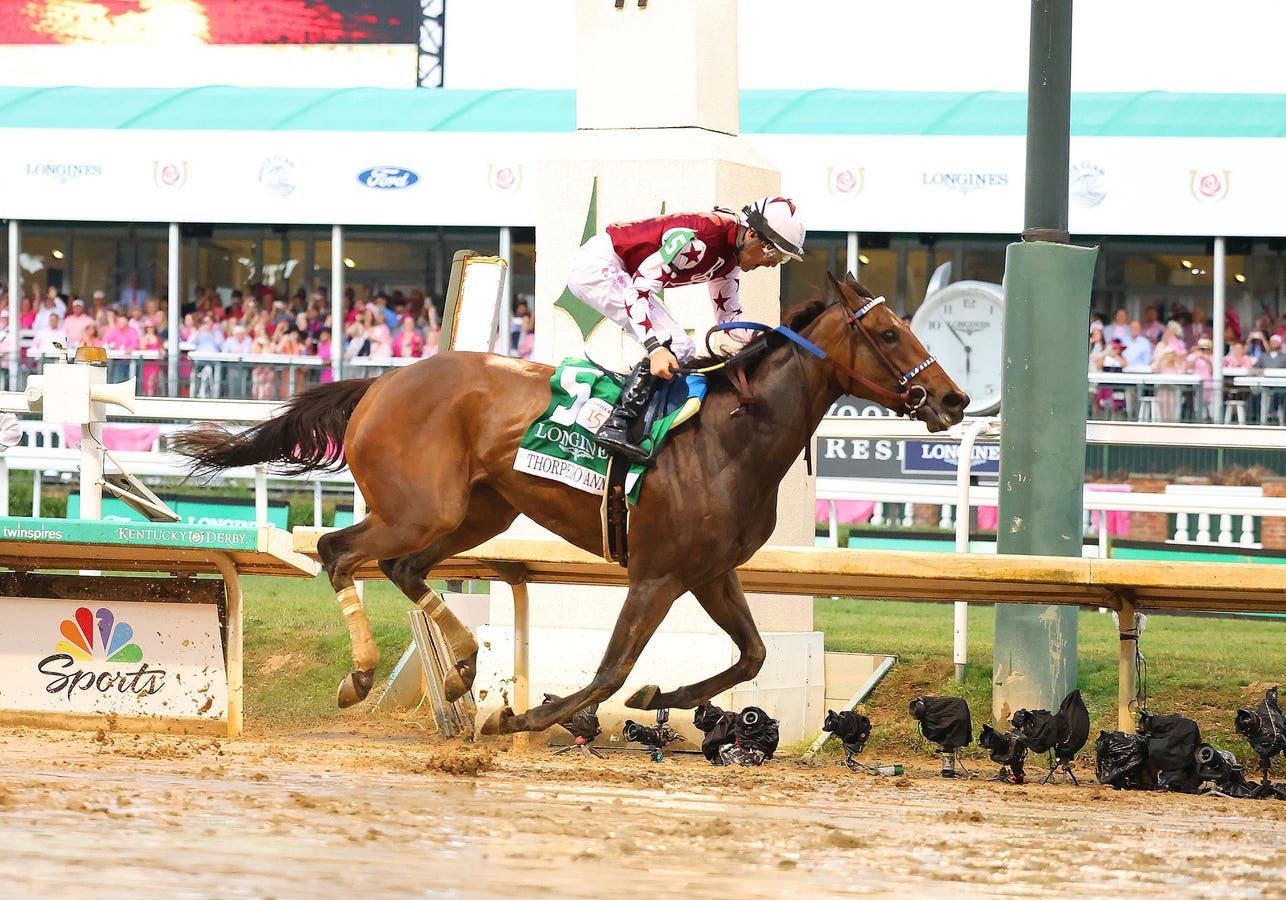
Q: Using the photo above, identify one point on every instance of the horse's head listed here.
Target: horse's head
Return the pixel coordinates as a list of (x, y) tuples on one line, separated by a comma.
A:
[(877, 358)]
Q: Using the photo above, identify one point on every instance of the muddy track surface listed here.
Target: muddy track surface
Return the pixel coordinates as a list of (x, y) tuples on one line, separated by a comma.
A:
[(373, 815)]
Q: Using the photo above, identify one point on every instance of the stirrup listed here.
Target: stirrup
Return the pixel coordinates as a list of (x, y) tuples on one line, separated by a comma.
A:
[(617, 440)]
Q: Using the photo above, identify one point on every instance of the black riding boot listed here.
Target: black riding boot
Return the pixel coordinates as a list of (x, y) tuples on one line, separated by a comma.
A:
[(614, 434)]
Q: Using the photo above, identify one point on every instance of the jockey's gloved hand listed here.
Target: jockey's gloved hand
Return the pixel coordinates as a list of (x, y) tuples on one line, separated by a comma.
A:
[(663, 362)]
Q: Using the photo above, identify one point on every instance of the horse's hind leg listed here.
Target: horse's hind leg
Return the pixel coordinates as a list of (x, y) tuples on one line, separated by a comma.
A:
[(488, 515), (645, 606), (341, 553), (725, 603)]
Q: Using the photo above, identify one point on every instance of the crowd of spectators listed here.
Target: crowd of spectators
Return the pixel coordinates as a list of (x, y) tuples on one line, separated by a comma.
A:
[(1182, 344), (259, 320)]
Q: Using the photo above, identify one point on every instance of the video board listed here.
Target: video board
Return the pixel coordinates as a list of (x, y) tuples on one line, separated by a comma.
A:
[(211, 22)]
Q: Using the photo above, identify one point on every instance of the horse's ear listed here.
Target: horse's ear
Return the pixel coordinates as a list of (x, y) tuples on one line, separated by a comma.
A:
[(836, 287), (857, 286), (843, 291)]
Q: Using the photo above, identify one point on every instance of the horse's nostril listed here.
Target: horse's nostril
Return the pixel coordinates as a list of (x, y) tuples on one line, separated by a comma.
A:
[(955, 401)]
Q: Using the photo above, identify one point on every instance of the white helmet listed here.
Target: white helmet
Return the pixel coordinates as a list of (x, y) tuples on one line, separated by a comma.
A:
[(776, 220)]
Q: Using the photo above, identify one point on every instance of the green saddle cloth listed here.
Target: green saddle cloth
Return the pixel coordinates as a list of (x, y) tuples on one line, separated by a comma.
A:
[(560, 444)]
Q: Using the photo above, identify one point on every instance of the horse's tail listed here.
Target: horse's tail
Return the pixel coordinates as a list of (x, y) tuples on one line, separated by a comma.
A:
[(307, 435)]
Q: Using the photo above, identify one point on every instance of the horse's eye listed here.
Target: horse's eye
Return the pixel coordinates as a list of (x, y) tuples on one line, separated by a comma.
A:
[(889, 335)]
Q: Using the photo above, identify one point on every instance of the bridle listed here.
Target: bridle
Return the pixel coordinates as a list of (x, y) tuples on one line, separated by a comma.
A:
[(912, 396)]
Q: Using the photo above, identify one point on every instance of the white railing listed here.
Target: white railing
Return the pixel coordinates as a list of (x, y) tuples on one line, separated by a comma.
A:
[(44, 452), (896, 498), (1202, 526), (1235, 509), (1204, 516)]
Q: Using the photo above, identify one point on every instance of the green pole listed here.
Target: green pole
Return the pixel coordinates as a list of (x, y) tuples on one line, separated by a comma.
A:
[(1044, 385)]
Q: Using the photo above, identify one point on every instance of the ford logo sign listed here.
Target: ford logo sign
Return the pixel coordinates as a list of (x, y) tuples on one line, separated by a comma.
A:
[(388, 178)]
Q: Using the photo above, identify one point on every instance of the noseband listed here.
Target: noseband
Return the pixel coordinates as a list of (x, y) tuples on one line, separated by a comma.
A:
[(912, 396)]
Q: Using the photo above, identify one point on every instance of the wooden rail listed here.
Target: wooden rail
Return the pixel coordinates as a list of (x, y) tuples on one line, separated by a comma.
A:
[(1124, 585)]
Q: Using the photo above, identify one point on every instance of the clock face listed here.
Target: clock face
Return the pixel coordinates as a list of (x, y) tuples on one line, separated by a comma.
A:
[(963, 326)]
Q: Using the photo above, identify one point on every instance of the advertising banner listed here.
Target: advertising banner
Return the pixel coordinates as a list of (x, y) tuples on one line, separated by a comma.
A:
[(199, 511), (942, 457), (858, 457), (901, 183), (297, 177), (112, 657), (86, 531)]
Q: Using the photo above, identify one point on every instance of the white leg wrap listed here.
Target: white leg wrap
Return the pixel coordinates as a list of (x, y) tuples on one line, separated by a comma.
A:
[(462, 641), (365, 653)]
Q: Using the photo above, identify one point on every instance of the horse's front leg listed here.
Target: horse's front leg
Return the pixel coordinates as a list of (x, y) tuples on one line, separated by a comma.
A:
[(646, 605), (726, 604)]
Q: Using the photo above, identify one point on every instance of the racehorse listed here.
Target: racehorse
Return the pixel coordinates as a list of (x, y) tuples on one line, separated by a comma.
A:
[(432, 447)]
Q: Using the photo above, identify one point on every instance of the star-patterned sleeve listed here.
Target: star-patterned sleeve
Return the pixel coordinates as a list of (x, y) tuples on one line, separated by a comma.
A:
[(725, 297), (652, 276)]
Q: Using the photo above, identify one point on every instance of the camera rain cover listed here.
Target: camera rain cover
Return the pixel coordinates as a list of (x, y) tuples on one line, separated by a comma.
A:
[(1073, 726), (1264, 728), (944, 721), (1121, 760), (1172, 750), (716, 725), (754, 729), (1039, 728)]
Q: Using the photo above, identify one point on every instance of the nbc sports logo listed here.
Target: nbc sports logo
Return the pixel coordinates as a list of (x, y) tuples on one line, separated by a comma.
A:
[(88, 637)]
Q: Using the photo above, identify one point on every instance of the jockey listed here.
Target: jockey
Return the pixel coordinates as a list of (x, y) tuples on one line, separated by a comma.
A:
[(620, 271)]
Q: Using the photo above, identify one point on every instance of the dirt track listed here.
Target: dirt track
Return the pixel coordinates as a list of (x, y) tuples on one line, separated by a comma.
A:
[(125, 815)]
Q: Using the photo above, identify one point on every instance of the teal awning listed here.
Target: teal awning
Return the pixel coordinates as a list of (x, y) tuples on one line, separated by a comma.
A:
[(822, 112)]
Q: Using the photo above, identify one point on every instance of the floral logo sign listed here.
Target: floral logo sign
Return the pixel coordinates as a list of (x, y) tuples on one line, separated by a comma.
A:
[(845, 182), (1210, 184)]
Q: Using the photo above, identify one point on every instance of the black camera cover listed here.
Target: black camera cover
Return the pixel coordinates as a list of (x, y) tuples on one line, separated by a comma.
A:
[(1122, 761), (944, 721), (1172, 751)]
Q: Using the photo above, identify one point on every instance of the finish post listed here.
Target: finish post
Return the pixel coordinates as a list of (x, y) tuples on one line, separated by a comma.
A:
[(1044, 386)]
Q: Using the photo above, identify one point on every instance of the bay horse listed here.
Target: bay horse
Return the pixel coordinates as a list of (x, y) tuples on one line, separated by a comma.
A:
[(432, 447)]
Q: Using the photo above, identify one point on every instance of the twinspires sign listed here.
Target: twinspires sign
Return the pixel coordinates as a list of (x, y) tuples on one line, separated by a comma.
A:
[(85, 531), (197, 511)]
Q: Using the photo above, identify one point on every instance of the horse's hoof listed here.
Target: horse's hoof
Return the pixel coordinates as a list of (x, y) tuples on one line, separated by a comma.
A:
[(355, 687), (500, 722), (457, 682), (644, 697)]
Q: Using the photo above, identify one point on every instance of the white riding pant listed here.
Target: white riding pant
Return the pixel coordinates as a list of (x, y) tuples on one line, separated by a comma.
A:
[(597, 277)]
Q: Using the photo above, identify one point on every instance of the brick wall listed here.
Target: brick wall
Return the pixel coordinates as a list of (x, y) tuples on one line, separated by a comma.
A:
[(1148, 526), (926, 514), (1273, 528)]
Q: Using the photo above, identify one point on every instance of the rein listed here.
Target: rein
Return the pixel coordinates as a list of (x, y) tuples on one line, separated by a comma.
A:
[(910, 399)]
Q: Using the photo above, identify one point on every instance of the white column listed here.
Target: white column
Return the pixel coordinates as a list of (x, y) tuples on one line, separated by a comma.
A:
[(854, 252), (175, 311), (15, 289), (337, 300), (964, 467), (507, 289), (1220, 273)]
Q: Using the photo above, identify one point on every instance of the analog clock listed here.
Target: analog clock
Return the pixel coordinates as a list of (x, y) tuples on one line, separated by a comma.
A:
[(963, 326)]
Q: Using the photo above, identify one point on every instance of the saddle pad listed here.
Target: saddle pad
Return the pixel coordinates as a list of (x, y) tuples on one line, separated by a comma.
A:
[(560, 444)]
